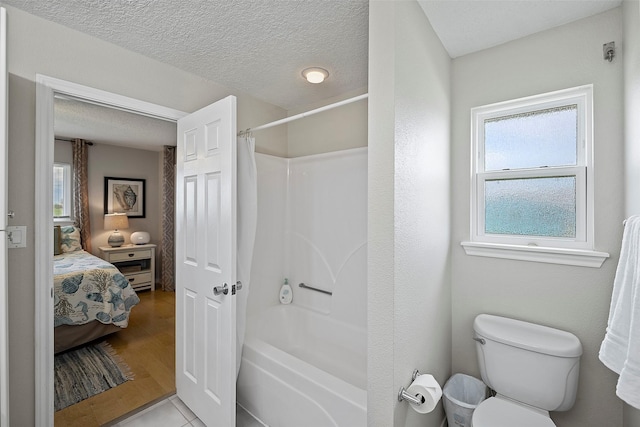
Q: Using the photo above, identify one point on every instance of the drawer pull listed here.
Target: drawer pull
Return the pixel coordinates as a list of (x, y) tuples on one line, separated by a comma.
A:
[(130, 255), (132, 279)]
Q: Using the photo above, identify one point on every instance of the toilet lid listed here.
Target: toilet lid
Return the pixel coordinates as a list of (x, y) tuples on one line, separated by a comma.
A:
[(495, 412)]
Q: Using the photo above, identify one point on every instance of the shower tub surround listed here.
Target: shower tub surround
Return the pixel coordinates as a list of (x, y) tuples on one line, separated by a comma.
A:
[(300, 368), (305, 363)]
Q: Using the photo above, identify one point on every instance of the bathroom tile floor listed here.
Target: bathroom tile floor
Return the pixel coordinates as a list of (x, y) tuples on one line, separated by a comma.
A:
[(172, 412)]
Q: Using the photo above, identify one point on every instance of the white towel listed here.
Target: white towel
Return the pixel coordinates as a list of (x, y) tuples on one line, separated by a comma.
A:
[(620, 349)]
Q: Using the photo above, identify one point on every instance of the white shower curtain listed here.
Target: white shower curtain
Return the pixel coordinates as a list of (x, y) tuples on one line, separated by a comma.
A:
[(247, 219)]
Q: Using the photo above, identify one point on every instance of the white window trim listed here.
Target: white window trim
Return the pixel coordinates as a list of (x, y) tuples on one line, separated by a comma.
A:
[(575, 257), (68, 195), (578, 251)]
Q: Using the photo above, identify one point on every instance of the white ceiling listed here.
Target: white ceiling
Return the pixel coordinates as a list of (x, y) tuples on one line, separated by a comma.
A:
[(260, 47), (103, 125), (467, 26)]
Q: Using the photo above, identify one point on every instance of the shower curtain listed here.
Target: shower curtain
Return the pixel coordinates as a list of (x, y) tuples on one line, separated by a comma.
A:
[(247, 219)]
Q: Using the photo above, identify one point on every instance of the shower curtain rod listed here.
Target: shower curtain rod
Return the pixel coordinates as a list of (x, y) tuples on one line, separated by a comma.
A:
[(306, 114)]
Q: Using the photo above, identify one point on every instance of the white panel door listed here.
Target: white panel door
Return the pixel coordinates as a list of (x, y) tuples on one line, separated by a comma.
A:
[(4, 356), (206, 259)]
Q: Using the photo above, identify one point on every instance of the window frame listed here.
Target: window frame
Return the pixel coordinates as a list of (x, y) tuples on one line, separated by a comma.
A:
[(67, 178), (501, 246)]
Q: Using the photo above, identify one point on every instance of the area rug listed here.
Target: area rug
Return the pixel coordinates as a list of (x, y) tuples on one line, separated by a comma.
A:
[(87, 371)]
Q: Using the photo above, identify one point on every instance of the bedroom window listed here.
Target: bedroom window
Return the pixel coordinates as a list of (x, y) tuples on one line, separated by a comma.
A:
[(62, 192), (532, 174)]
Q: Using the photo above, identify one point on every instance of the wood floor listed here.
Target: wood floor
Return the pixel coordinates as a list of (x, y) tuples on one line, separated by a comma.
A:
[(147, 345)]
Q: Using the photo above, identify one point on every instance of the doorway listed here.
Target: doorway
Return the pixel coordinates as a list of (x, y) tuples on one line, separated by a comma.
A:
[(118, 144), (47, 89)]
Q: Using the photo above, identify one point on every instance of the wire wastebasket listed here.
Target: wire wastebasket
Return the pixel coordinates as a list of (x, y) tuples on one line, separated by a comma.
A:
[(462, 395)]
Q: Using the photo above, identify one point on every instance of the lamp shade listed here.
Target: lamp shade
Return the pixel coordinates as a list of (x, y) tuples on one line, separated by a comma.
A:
[(116, 221)]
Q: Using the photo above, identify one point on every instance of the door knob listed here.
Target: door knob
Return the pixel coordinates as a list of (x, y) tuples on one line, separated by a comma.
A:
[(224, 289)]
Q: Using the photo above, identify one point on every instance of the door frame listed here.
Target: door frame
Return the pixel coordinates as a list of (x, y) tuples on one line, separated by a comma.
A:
[(46, 89), (4, 194)]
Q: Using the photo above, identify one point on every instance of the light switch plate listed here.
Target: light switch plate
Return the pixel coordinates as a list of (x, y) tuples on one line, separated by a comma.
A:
[(17, 236)]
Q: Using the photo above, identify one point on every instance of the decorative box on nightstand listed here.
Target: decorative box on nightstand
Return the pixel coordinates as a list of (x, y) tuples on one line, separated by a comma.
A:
[(136, 262)]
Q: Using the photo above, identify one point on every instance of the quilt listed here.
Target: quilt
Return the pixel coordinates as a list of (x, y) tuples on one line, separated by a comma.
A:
[(88, 288)]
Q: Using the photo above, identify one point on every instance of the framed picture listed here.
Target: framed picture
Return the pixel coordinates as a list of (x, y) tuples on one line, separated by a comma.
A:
[(124, 195)]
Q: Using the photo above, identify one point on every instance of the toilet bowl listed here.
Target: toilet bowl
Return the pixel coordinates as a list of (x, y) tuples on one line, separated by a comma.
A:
[(532, 368)]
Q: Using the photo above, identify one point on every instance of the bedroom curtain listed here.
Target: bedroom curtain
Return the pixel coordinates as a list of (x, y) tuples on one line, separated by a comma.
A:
[(247, 221), (168, 218), (81, 191)]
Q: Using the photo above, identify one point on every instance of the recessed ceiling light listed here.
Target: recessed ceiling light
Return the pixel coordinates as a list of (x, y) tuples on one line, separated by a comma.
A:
[(315, 74)]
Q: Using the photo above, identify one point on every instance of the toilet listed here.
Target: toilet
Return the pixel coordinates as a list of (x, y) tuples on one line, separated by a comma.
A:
[(533, 369)]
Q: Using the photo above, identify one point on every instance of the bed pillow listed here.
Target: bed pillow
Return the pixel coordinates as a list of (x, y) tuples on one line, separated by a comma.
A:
[(57, 250), (70, 239)]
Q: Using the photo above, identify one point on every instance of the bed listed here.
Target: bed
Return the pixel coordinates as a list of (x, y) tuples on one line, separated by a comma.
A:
[(91, 297)]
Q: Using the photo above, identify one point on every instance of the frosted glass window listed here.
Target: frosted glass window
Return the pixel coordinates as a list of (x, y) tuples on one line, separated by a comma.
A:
[(533, 139), (532, 171), (531, 207)]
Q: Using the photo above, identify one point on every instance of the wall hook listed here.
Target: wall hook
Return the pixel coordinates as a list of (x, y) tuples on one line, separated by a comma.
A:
[(609, 51)]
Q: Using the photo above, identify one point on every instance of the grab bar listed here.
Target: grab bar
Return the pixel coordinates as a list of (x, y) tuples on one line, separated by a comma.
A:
[(302, 285)]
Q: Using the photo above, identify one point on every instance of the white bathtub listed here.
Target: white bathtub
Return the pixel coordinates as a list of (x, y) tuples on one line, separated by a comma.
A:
[(301, 368)]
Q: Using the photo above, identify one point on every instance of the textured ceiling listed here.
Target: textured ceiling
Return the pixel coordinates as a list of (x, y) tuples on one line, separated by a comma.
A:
[(99, 124), (259, 47)]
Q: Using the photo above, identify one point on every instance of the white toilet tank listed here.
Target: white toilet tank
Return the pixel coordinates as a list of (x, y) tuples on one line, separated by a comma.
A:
[(529, 363)]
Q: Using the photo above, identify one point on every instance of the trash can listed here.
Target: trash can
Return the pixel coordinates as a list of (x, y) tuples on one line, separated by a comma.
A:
[(462, 395)]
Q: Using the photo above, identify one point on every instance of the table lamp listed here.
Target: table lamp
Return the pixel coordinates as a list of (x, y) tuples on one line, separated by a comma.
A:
[(115, 222)]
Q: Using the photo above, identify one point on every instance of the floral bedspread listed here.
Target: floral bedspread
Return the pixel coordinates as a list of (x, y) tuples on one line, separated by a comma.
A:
[(88, 288)]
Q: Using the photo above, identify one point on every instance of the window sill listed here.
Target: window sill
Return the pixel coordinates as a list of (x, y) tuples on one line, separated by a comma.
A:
[(62, 221), (577, 257)]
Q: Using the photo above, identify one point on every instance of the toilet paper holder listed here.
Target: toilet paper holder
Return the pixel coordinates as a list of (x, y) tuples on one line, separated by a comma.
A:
[(403, 395)]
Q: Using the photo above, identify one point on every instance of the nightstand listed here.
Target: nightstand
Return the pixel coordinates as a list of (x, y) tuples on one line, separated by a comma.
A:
[(136, 262)]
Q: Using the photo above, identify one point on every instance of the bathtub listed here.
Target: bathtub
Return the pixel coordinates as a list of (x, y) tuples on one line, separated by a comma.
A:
[(302, 368)]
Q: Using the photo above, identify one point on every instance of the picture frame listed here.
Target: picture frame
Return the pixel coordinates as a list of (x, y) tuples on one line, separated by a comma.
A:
[(126, 195)]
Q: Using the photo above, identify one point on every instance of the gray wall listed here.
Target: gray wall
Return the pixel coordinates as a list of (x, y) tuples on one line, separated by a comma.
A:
[(575, 299), (337, 129), (121, 162), (631, 56), (409, 314), (38, 46), (630, 51)]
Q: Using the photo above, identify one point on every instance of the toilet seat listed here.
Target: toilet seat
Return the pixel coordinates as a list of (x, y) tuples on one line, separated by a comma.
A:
[(496, 412)]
